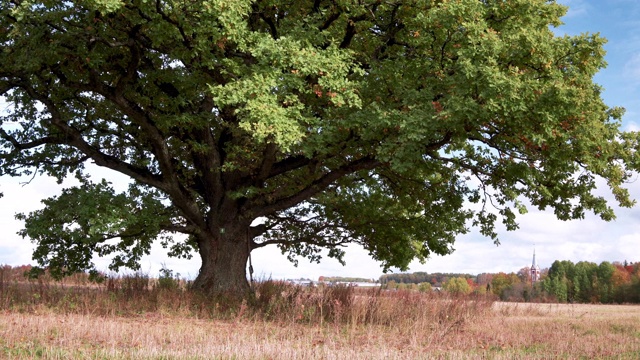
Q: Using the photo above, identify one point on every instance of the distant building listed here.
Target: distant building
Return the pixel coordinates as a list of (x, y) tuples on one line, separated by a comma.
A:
[(535, 269)]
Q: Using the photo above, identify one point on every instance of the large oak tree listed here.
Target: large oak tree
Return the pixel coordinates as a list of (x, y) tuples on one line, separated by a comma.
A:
[(301, 124)]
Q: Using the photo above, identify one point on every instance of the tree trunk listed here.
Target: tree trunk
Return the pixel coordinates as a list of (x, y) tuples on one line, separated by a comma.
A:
[(224, 262)]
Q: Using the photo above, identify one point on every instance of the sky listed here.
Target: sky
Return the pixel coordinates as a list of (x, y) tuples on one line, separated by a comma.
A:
[(590, 239)]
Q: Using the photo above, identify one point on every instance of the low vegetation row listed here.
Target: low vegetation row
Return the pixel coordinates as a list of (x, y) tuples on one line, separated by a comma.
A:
[(563, 282), (136, 294)]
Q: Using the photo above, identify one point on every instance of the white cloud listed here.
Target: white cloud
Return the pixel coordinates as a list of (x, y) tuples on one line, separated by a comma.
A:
[(576, 8), (631, 126), (19, 198), (632, 68)]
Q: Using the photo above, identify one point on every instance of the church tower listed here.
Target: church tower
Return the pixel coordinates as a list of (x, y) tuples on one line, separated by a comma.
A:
[(535, 269)]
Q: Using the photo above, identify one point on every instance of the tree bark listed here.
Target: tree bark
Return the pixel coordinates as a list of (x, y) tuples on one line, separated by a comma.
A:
[(224, 261)]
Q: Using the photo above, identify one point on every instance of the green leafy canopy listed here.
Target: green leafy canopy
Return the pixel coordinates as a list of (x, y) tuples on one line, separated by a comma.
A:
[(373, 122)]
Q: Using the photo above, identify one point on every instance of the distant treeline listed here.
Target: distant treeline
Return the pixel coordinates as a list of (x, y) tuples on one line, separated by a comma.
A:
[(588, 282), (435, 279), (564, 281), (335, 279)]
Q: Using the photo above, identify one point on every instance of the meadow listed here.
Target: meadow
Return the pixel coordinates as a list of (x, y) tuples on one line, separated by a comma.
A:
[(138, 318)]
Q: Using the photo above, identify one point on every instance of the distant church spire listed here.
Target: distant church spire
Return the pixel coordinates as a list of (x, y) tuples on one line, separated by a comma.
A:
[(535, 269)]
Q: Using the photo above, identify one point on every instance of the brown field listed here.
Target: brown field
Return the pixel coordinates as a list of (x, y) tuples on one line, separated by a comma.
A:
[(508, 331), (295, 323)]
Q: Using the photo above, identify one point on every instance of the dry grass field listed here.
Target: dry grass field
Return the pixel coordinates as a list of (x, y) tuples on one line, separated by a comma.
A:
[(294, 323), (508, 332)]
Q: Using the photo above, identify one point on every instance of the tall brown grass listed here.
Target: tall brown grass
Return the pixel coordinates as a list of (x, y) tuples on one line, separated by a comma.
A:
[(138, 317), (276, 301)]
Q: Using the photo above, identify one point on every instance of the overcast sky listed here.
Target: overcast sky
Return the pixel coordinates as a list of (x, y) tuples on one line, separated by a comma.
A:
[(589, 240)]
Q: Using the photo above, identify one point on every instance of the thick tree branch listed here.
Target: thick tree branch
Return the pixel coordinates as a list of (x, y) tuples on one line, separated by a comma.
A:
[(316, 5), (167, 182), (268, 160), (5, 86), (31, 144), (308, 241), (212, 186), (330, 20), (268, 207), (170, 180), (288, 164), (272, 26), (350, 30), (186, 229), (74, 138)]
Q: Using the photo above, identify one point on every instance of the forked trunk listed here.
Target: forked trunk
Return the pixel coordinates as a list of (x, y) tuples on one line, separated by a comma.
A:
[(224, 262)]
